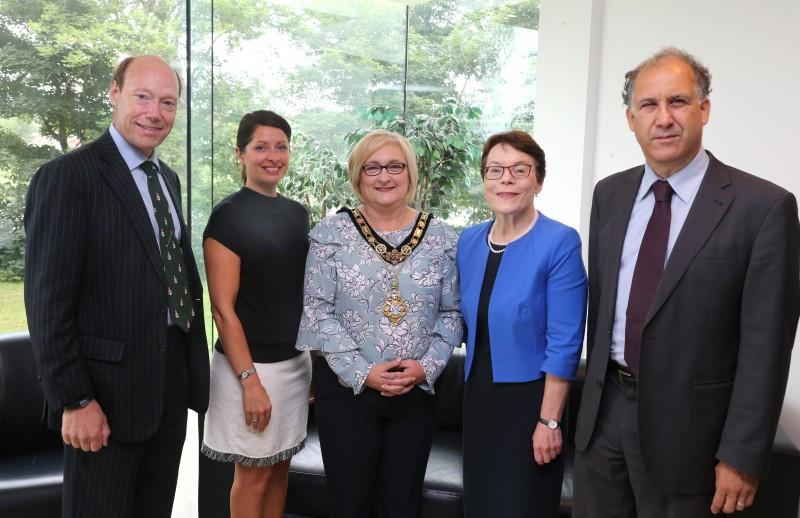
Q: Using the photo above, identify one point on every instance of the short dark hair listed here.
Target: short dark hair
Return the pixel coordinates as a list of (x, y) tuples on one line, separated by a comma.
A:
[(119, 73), (251, 121), (520, 141), (702, 77)]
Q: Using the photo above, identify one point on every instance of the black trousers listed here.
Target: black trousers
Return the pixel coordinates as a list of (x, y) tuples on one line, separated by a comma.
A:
[(135, 479), (375, 448), (610, 476)]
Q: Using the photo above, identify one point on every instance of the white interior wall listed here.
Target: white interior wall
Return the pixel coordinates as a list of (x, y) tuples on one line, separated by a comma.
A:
[(585, 48)]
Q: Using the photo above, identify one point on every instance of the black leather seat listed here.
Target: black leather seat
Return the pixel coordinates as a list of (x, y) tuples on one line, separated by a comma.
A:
[(442, 492), (443, 486), (31, 456)]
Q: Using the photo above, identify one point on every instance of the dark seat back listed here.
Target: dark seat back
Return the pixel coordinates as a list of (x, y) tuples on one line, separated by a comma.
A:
[(450, 387), (21, 400)]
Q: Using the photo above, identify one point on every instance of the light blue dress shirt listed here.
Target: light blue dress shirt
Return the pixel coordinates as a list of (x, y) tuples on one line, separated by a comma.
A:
[(685, 183), (134, 158)]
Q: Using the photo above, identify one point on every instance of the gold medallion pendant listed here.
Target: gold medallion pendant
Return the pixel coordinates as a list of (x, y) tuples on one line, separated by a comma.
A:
[(394, 307)]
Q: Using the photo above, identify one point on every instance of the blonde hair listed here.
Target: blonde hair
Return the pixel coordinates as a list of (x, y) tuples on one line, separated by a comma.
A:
[(371, 143)]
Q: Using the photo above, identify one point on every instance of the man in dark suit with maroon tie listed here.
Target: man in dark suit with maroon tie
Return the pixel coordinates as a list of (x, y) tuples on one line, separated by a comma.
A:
[(114, 305), (694, 296)]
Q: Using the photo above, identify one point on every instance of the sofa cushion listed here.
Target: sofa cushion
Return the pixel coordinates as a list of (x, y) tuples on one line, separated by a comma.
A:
[(21, 400), (31, 456), (31, 484)]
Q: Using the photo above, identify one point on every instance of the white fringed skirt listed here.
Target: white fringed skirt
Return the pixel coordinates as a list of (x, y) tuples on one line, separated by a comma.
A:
[(227, 437)]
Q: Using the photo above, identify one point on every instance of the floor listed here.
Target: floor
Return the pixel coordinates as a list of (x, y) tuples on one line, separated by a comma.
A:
[(186, 497)]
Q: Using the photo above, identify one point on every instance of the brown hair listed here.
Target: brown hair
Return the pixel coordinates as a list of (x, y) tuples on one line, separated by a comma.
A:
[(250, 122), (520, 141)]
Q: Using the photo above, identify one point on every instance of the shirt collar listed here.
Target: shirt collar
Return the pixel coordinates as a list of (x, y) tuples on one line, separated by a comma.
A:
[(132, 156), (684, 182)]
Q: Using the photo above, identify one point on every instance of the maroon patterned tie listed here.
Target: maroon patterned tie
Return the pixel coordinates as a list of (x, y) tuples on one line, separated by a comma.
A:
[(647, 273)]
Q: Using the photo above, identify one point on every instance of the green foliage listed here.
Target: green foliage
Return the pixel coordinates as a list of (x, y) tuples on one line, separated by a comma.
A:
[(447, 146), (58, 58), (18, 161), (317, 62), (317, 178), (12, 259)]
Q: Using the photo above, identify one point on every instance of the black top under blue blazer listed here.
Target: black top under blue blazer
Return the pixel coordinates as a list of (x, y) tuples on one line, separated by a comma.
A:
[(537, 309)]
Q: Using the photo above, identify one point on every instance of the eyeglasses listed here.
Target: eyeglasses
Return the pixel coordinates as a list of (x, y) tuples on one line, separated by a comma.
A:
[(495, 172), (375, 169)]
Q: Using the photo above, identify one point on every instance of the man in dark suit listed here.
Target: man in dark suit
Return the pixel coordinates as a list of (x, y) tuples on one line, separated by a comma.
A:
[(693, 306), (114, 305)]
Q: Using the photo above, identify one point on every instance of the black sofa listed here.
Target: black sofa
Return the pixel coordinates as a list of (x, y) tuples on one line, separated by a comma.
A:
[(778, 496), (31, 456)]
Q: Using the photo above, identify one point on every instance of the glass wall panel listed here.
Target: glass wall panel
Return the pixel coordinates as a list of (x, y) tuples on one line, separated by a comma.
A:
[(56, 61), (447, 73), (314, 62), (465, 67)]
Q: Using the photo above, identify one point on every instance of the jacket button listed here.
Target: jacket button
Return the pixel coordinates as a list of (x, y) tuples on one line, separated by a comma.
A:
[(599, 384), (162, 349), (164, 308)]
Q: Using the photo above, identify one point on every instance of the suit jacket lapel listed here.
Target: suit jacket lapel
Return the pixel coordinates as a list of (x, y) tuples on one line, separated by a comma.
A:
[(120, 181), (613, 232), (708, 208)]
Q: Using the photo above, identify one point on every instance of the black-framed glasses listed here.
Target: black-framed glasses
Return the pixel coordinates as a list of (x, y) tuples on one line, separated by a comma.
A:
[(375, 169), (495, 172)]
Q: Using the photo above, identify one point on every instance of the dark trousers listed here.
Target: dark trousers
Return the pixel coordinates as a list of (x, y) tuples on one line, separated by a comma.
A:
[(610, 477), (136, 479), (375, 448)]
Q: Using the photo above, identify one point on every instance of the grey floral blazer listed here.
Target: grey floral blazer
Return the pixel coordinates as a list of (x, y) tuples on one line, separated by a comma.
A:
[(346, 284)]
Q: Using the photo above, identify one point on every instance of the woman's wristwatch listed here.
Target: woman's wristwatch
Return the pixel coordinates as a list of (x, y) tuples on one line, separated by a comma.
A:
[(549, 423), (246, 374)]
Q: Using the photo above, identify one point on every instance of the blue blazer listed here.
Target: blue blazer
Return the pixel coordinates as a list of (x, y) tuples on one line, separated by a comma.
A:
[(537, 310)]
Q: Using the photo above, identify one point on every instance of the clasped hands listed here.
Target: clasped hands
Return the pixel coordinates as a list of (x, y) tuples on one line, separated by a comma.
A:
[(396, 377)]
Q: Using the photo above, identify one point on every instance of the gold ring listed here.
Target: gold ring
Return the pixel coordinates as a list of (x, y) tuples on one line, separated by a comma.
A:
[(741, 503)]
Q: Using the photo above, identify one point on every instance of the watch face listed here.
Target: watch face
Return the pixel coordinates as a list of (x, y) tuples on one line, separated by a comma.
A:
[(552, 425)]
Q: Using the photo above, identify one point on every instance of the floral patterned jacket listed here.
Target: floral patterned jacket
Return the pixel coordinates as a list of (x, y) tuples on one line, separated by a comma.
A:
[(346, 284)]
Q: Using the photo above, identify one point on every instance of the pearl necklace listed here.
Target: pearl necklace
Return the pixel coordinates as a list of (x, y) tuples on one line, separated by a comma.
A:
[(490, 241)]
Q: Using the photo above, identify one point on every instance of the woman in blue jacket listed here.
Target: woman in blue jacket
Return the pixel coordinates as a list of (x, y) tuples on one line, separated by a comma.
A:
[(523, 298)]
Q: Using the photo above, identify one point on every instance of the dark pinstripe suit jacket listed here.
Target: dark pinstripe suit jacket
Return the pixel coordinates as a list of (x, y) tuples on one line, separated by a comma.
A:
[(95, 292)]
